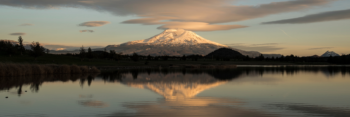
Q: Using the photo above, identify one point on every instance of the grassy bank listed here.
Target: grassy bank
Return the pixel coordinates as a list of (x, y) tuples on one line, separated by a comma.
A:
[(18, 69)]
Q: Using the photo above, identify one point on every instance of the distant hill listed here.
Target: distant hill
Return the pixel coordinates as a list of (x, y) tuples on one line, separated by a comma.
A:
[(225, 53)]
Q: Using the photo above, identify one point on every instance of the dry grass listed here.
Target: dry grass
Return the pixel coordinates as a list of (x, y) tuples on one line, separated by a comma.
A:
[(75, 69), (94, 70), (84, 69), (14, 69)]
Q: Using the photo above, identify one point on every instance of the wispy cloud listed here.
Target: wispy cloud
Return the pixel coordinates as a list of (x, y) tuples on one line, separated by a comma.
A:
[(91, 31), (26, 25), (320, 48), (65, 47), (266, 44), (264, 47), (94, 23), (195, 15), (321, 17), (18, 34)]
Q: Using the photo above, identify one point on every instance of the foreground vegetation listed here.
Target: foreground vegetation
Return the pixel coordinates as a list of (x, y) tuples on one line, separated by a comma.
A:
[(12, 69)]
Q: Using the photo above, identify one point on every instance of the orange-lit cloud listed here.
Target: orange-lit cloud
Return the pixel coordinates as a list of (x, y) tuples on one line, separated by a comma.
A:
[(94, 23), (60, 49)]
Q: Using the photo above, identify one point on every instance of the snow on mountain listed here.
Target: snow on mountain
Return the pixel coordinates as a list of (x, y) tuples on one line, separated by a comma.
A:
[(174, 42), (175, 37), (330, 53)]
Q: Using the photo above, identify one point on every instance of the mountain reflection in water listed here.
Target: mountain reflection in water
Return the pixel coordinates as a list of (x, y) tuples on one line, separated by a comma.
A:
[(181, 92)]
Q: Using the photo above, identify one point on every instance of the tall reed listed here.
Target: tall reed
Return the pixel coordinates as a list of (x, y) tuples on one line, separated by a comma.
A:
[(16, 69)]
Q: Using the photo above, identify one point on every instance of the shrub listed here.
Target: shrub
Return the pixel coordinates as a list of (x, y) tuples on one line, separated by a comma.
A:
[(94, 70), (75, 69), (62, 69), (84, 69)]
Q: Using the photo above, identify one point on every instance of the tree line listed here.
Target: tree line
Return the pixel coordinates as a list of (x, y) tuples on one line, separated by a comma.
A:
[(11, 48)]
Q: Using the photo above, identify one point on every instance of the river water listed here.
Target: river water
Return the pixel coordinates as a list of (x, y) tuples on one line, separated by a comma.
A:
[(242, 92)]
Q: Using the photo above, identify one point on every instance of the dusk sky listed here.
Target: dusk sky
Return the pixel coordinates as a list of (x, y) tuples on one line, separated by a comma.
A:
[(299, 27)]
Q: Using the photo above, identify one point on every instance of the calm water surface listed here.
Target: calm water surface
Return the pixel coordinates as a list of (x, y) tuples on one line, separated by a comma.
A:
[(241, 92)]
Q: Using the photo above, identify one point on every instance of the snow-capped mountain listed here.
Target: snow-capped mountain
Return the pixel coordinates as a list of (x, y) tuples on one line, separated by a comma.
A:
[(175, 37), (174, 42), (330, 53)]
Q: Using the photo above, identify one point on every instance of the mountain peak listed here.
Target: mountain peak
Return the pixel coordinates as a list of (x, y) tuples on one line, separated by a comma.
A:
[(330, 53), (175, 37)]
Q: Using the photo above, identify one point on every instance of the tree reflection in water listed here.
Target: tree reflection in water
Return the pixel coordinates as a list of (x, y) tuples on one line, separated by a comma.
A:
[(179, 88)]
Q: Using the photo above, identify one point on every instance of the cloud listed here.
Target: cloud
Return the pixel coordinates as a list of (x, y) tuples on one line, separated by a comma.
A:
[(265, 47), (168, 13), (26, 25), (199, 26), (58, 49), (320, 48), (65, 47), (94, 23), (91, 31), (321, 17), (18, 34)]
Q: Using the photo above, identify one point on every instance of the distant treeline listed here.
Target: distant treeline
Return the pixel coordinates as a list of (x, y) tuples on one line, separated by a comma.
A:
[(112, 55), (9, 48)]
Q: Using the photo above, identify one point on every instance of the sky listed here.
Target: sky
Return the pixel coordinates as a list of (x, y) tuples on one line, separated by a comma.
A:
[(299, 27)]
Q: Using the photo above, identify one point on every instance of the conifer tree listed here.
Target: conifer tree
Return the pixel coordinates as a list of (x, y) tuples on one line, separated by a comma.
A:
[(184, 57), (149, 57), (21, 47), (89, 54), (112, 53), (82, 52), (135, 57)]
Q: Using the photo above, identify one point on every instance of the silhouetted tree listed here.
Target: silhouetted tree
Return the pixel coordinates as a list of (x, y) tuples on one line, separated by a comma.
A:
[(149, 57), (89, 53), (47, 51), (135, 57), (261, 58), (37, 49), (82, 52), (21, 47), (184, 57), (105, 54), (246, 58), (165, 57)]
